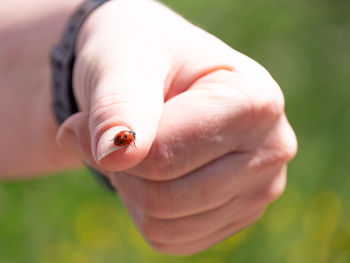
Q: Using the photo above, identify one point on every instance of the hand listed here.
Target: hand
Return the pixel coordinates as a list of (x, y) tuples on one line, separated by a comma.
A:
[(212, 137)]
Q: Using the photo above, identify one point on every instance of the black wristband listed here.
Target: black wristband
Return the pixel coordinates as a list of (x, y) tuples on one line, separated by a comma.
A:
[(62, 63)]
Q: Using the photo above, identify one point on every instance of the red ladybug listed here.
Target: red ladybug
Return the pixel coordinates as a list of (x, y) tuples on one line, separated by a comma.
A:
[(124, 139)]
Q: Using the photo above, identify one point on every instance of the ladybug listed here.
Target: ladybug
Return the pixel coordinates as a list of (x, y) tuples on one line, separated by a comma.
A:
[(124, 139)]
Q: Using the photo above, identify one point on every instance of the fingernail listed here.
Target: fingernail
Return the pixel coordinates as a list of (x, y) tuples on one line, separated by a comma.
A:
[(105, 145)]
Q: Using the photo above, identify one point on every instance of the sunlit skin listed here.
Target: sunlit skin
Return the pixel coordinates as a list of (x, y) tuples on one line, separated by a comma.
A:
[(212, 137)]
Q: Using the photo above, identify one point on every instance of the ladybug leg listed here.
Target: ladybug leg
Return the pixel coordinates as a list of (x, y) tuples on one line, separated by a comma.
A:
[(126, 147), (135, 144)]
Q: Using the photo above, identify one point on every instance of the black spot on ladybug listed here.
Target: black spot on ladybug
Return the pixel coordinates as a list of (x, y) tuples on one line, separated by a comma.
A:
[(125, 136)]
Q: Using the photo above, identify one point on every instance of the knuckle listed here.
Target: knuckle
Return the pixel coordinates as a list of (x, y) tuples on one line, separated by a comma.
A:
[(289, 151), (290, 146), (282, 150), (271, 194), (274, 190), (277, 151), (278, 156), (270, 158), (268, 103), (274, 105)]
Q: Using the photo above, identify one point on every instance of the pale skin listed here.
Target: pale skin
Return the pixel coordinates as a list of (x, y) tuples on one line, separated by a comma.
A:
[(213, 140)]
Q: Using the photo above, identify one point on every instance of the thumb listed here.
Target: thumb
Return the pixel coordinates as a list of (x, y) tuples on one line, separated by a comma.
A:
[(121, 66), (120, 101)]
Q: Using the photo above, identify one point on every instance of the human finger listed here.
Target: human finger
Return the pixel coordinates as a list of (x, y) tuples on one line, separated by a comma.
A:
[(213, 118), (195, 227), (197, 192), (204, 243)]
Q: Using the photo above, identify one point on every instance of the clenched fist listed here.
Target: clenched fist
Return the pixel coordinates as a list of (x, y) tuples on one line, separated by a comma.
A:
[(212, 138)]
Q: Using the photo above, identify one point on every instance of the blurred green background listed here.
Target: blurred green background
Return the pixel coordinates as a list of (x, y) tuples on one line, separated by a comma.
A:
[(306, 46)]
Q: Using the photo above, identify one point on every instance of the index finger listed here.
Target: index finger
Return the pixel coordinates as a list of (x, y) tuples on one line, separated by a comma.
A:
[(216, 116)]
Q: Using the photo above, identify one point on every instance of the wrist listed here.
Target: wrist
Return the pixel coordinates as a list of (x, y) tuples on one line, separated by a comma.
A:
[(26, 40), (121, 12)]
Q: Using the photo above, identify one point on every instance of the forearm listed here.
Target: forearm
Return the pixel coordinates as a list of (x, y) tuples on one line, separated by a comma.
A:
[(28, 30)]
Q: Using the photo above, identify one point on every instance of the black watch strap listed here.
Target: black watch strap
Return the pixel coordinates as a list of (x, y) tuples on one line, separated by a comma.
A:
[(62, 62)]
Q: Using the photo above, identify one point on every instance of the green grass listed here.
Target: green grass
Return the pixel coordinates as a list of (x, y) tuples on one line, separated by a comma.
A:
[(306, 47)]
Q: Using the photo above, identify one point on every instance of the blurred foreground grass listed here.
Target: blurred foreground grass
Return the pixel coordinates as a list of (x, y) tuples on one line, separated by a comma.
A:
[(306, 47)]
